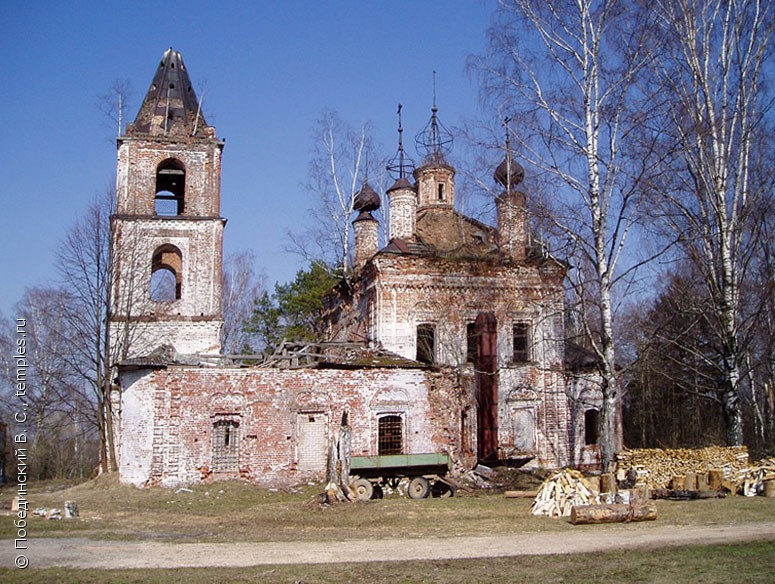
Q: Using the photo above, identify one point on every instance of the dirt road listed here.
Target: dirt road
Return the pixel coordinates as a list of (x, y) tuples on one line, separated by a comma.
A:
[(84, 553)]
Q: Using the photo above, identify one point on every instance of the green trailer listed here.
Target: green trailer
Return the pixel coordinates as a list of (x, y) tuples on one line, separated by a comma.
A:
[(426, 474)]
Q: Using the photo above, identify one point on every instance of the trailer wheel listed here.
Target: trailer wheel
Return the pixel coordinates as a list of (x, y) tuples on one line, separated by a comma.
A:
[(378, 493), (363, 489), (419, 488)]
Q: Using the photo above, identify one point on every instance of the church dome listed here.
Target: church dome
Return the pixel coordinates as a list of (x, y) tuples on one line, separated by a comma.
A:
[(509, 173), (367, 199)]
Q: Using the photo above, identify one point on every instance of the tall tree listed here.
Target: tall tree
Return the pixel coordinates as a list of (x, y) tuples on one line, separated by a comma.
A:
[(566, 73), (58, 410), (295, 310), (713, 59), (87, 266), (86, 270), (115, 104), (241, 290), (338, 166), (672, 397)]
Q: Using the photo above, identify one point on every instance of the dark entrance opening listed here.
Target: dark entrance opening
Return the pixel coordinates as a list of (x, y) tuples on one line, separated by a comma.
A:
[(486, 365)]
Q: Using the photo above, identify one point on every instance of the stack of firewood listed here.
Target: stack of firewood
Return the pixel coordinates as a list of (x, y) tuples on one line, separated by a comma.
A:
[(752, 478), (657, 467), (561, 492)]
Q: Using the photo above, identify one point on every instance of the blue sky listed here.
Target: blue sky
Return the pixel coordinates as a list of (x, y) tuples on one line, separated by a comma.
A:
[(266, 69)]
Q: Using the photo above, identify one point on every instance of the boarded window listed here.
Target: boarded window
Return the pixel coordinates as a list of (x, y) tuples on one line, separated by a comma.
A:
[(313, 442), (524, 430), (426, 343), (225, 446), (521, 336), (591, 426), (390, 435), (471, 342)]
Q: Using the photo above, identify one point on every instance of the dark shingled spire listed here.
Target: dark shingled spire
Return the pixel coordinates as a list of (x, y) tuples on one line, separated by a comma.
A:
[(170, 107)]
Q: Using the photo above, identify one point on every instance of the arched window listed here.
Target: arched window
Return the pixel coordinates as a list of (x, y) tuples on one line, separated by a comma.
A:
[(591, 426), (170, 188), (390, 435), (166, 270)]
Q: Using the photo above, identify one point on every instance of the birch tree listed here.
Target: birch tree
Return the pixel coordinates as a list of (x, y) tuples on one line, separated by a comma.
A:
[(711, 73), (566, 73), (115, 104), (241, 290), (336, 170)]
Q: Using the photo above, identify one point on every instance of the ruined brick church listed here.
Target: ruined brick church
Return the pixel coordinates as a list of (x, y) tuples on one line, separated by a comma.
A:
[(449, 339)]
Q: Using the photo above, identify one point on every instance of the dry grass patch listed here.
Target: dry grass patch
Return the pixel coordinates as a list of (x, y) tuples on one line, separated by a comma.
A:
[(239, 511)]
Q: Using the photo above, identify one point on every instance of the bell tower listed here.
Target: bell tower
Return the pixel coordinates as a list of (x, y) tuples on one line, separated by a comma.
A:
[(167, 232)]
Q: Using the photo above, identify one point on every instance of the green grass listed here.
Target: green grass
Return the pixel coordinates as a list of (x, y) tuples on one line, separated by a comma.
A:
[(749, 563)]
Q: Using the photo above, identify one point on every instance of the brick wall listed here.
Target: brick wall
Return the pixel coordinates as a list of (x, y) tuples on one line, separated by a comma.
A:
[(286, 418), (168, 417)]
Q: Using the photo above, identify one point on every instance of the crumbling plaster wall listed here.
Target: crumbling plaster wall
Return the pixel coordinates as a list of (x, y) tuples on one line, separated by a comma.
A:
[(168, 416), (532, 397), (192, 323), (450, 294)]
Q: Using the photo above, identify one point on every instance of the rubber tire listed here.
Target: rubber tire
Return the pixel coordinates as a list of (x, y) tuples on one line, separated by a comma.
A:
[(363, 489), (378, 492), (419, 488)]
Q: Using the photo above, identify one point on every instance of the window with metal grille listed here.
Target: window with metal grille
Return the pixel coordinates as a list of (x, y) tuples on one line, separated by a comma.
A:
[(225, 446), (426, 343), (390, 435), (591, 426), (521, 336)]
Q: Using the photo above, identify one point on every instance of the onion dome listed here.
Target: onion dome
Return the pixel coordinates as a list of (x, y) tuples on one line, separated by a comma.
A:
[(509, 173), (367, 199)]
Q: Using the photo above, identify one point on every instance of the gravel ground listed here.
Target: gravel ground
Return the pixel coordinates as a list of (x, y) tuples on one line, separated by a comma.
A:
[(85, 553)]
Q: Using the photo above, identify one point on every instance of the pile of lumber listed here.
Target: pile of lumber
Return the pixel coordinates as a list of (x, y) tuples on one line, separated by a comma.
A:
[(657, 467), (753, 478), (560, 492)]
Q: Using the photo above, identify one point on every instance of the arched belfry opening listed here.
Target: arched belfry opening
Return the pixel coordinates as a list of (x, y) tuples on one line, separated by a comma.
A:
[(170, 188), (166, 273)]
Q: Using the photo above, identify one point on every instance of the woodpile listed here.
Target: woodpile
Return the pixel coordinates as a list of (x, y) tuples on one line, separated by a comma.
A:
[(657, 467), (755, 478), (560, 492)]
